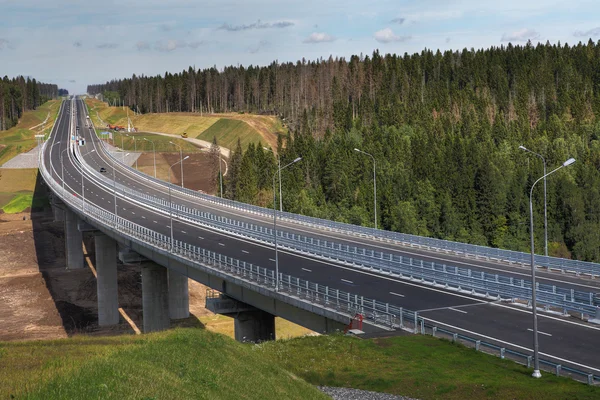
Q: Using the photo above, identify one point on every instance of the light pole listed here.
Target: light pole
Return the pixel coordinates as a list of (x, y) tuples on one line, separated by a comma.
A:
[(122, 147), (279, 168), (62, 167), (275, 225), (536, 365), (374, 184), (170, 204), (154, 151), (181, 160), (115, 188), (545, 202), (134, 149), (83, 184)]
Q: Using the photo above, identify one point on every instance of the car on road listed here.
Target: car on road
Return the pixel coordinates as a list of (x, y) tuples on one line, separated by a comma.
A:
[(102, 169)]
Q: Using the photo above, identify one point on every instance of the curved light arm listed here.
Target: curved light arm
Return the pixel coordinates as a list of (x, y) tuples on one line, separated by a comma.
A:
[(182, 160), (565, 164), (533, 152)]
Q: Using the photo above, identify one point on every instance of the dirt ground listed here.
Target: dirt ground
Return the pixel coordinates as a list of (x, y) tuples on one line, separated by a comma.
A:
[(195, 174)]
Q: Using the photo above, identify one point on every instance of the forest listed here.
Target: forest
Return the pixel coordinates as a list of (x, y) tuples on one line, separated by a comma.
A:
[(444, 129), (18, 95)]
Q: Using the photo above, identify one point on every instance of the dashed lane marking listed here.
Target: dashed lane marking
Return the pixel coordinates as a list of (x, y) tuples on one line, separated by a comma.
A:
[(347, 281), (397, 294), (306, 269), (540, 332)]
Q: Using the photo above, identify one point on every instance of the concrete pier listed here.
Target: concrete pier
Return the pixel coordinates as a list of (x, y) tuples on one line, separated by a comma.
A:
[(106, 268), (155, 297), (73, 241), (254, 326), (179, 297)]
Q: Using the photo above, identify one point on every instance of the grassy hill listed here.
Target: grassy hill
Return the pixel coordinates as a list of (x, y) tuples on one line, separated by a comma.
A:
[(195, 363), (16, 190), (225, 127), (20, 138)]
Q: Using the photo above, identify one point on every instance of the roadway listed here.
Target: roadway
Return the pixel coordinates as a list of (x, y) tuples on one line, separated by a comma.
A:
[(570, 340)]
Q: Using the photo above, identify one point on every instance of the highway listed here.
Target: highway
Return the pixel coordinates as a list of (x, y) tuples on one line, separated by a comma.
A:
[(565, 339)]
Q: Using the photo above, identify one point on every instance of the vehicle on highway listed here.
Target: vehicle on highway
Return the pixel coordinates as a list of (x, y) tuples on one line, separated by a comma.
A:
[(102, 169)]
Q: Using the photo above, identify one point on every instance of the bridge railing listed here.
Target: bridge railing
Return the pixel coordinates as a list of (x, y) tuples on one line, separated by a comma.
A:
[(464, 249), (450, 277)]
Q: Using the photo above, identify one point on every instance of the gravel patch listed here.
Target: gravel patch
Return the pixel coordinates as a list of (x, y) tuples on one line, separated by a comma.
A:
[(337, 393), (24, 160)]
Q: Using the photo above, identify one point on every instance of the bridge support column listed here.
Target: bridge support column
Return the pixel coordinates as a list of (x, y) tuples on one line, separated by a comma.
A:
[(179, 297), (73, 241), (106, 268), (254, 326), (155, 297)]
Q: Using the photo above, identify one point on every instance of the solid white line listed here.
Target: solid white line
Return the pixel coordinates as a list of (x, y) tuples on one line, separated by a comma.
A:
[(306, 269), (540, 332), (397, 294), (347, 281), (512, 344), (460, 311)]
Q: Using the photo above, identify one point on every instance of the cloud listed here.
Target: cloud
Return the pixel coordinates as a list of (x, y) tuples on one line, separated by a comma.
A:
[(388, 36), (589, 33), (522, 35), (5, 44), (257, 25), (77, 44), (196, 44), (72, 80), (398, 21), (261, 45), (317, 37), (141, 45), (448, 40), (105, 46)]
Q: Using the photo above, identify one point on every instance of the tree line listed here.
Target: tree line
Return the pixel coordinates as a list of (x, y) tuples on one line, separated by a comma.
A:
[(444, 129), (22, 94)]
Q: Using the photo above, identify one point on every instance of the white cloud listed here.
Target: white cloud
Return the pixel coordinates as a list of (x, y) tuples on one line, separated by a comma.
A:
[(5, 44), (319, 37), (256, 25), (592, 33), (168, 45), (105, 46), (388, 36), (522, 35), (142, 45)]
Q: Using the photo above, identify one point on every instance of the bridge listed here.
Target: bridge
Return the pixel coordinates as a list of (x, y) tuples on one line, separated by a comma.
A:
[(323, 274)]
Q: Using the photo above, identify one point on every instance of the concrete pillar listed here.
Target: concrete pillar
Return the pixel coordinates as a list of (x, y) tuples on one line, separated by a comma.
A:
[(179, 297), (155, 297), (254, 326), (106, 268), (58, 213), (73, 241)]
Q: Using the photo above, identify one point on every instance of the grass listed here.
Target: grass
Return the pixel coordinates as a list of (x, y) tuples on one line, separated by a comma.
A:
[(418, 367), (16, 190), (178, 364), (227, 132), (160, 142), (20, 138)]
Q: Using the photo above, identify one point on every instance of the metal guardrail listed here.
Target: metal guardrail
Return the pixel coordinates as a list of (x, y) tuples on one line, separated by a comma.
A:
[(450, 277), (343, 302)]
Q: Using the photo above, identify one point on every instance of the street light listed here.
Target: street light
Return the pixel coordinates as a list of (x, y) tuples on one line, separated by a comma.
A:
[(134, 149), (82, 182), (374, 184), (170, 204), (154, 150), (536, 365), (62, 167), (545, 202), (115, 188), (279, 167), (122, 147), (275, 225), (181, 161)]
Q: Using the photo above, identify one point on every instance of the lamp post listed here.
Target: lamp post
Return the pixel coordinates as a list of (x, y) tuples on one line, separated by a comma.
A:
[(545, 202), (122, 147), (275, 225), (181, 161), (62, 168), (536, 367), (115, 188), (51, 147), (279, 168), (154, 151), (374, 184), (83, 183), (170, 204), (134, 149)]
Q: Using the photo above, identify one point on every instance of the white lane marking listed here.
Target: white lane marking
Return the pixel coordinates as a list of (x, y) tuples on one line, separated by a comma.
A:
[(460, 311), (540, 332), (156, 222), (133, 213), (143, 217), (347, 281), (244, 251), (272, 259), (221, 244), (103, 198), (184, 232), (512, 344), (306, 269), (200, 237), (397, 294)]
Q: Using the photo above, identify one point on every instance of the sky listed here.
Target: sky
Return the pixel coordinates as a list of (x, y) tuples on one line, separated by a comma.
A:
[(76, 43)]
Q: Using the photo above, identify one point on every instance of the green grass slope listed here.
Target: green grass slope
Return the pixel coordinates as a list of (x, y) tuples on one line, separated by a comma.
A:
[(178, 364), (227, 132)]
